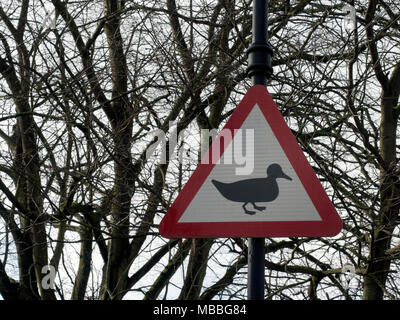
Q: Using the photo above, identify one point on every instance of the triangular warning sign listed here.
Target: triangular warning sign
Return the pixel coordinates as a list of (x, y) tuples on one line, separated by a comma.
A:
[(254, 181)]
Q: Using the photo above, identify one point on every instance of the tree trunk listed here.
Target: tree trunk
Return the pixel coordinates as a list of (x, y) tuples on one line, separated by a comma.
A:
[(121, 120), (384, 224), (85, 258), (196, 269)]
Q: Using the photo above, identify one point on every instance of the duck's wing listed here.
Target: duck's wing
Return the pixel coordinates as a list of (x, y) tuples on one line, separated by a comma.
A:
[(239, 191)]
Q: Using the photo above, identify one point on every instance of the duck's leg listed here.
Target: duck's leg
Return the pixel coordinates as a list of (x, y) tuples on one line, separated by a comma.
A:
[(257, 207), (247, 211)]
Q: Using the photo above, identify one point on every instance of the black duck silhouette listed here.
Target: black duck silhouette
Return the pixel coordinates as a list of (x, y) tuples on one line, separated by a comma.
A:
[(253, 190)]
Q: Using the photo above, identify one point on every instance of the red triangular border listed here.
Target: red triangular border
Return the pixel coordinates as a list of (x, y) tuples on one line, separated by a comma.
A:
[(330, 224)]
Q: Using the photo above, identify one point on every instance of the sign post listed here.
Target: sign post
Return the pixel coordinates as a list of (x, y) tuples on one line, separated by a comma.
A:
[(274, 192), (259, 69)]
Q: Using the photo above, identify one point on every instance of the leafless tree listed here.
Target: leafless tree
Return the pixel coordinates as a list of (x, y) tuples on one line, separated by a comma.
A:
[(83, 87)]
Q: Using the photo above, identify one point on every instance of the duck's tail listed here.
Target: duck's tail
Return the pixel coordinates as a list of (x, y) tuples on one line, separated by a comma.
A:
[(221, 187), (217, 184)]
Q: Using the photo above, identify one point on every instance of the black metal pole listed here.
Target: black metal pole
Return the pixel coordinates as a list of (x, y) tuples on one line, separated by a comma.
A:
[(259, 53), (255, 274), (259, 70)]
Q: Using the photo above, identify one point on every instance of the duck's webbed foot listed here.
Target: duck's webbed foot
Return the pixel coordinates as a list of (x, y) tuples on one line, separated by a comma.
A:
[(247, 211), (257, 207)]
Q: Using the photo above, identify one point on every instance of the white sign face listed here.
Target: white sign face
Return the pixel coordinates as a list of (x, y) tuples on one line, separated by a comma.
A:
[(229, 195)]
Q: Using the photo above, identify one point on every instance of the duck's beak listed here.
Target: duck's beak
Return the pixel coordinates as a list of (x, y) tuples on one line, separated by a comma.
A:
[(285, 176)]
